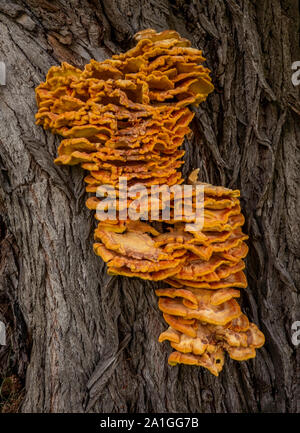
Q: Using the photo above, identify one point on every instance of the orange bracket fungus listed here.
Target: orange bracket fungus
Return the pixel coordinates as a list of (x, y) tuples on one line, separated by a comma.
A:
[(125, 118)]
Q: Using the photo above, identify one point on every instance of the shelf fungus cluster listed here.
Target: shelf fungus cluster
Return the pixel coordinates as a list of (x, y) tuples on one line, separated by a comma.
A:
[(126, 118)]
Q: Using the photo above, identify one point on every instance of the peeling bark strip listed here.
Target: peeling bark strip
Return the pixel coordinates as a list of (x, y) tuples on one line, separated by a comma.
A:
[(94, 345)]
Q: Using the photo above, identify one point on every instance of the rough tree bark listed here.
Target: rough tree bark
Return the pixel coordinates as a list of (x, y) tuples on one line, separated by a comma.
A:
[(88, 342)]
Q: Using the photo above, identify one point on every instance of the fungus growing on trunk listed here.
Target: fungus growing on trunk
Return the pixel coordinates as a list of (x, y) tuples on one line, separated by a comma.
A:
[(127, 117)]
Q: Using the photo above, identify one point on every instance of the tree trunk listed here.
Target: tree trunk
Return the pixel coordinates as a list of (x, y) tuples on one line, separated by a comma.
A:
[(88, 342)]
